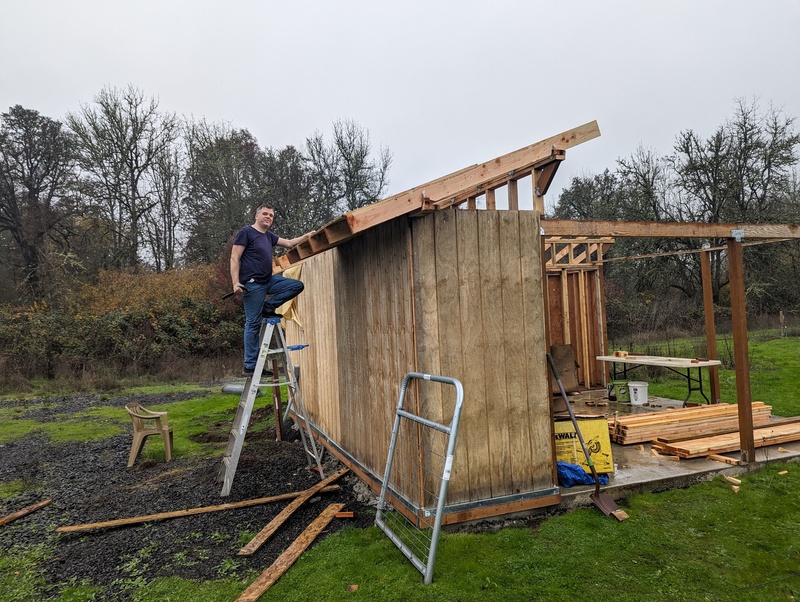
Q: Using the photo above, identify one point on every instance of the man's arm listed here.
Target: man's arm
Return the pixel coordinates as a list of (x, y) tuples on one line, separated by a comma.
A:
[(236, 256), (288, 243)]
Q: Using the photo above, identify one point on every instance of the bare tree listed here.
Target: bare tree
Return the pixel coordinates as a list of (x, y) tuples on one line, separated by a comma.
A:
[(221, 188), (162, 224), (286, 183), (590, 197), (36, 175), (119, 140), (739, 172), (345, 173)]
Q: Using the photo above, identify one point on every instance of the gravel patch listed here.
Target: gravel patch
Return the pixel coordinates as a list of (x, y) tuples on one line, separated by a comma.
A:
[(89, 482)]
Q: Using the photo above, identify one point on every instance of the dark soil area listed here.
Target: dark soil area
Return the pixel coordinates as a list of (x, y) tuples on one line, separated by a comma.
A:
[(89, 482)]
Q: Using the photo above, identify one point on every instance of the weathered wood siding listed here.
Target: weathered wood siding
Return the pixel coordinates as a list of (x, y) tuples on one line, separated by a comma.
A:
[(479, 311), (456, 293), (356, 314)]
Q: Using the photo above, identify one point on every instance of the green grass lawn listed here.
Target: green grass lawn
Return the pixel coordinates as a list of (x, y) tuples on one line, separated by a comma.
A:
[(705, 542), (701, 543), (774, 371)]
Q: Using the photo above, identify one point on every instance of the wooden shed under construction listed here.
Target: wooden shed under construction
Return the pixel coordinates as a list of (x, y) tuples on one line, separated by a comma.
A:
[(437, 280), (425, 282)]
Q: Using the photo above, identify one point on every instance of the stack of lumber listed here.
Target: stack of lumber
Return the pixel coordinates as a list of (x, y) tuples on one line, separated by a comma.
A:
[(782, 431), (685, 423)]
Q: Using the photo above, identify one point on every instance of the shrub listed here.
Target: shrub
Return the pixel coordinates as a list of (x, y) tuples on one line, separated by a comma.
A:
[(126, 321)]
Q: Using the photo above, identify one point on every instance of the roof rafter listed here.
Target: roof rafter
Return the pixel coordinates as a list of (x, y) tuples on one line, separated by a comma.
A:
[(446, 191)]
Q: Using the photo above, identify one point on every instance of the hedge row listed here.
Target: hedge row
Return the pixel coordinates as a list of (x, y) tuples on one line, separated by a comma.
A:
[(125, 319)]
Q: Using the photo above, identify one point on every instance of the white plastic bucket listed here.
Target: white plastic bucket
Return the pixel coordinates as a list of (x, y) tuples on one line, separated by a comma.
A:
[(637, 392)]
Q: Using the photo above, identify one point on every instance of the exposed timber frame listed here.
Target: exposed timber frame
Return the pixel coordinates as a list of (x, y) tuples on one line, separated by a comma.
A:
[(734, 235), (540, 160)]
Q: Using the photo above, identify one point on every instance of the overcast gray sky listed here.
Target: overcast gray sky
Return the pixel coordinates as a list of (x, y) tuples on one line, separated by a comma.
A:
[(443, 84)]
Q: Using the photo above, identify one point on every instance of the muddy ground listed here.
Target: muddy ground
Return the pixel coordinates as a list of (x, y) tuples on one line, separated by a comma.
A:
[(89, 482)]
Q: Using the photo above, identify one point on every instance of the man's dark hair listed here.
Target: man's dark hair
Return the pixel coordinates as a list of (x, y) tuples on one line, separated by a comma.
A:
[(260, 207)]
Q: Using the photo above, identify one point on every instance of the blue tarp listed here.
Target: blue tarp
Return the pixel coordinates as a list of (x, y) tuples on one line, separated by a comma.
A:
[(572, 474)]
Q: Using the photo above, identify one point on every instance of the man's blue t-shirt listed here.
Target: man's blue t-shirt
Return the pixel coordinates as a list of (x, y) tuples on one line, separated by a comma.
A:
[(256, 261)]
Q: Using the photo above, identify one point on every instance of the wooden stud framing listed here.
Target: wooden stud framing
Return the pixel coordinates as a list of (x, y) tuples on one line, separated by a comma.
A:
[(491, 203), (513, 195)]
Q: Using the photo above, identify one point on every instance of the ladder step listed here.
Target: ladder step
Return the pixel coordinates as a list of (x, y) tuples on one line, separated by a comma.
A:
[(273, 348)]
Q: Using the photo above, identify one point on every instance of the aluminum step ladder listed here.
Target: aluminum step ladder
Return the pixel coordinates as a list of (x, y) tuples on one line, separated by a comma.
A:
[(273, 347)]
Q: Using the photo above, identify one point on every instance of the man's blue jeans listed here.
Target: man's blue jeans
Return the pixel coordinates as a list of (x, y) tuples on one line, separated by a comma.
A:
[(280, 290)]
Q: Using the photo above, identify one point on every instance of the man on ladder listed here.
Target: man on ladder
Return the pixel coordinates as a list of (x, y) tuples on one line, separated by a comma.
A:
[(263, 292), (251, 273)]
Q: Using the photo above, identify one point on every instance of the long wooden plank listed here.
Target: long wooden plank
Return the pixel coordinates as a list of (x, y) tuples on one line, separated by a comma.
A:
[(556, 227), (276, 522), (741, 355), (427, 330), (149, 518), (477, 405), (719, 409), (23, 512), (540, 442), (450, 352), (668, 421), (714, 430), (489, 246), (685, 421), (512, 305), (266, 579)]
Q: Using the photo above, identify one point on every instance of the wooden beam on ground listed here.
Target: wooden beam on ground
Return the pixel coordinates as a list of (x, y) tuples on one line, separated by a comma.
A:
[(23, 512), (276, 522), (741, 357), (266, 579), (554, 227), (724, 459), (711, 329), (149, 518)]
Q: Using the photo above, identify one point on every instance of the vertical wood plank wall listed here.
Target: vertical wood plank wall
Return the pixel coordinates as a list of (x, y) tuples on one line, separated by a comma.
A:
[(475, 281), (480, 319), (356, 314), (319, 362)]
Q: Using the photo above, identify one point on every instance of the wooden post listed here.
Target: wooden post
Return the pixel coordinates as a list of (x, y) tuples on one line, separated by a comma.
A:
[(711, 331), (513, 195), (538, 199), (490, 202), (740, 352)]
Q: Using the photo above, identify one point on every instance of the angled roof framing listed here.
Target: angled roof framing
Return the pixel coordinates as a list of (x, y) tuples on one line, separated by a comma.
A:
[(450, 190)]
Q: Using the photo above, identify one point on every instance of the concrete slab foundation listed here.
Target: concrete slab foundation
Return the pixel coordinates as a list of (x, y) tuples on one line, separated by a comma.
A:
[(637, 470)]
